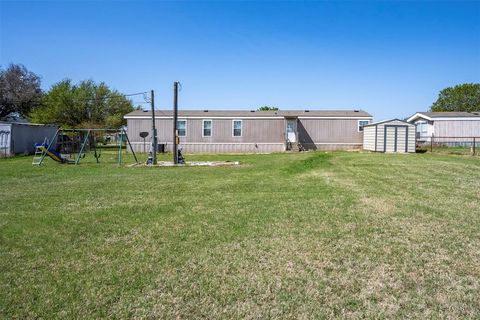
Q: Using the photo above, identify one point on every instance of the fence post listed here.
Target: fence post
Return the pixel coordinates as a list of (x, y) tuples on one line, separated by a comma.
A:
[(431, 143), (474, 145)]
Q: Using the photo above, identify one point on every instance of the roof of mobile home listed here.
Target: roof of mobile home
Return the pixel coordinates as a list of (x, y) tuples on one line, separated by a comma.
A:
[(139, 114), (444, 115)]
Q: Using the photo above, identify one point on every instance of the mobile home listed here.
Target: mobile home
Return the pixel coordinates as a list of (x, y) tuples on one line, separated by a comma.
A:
[(217, 131), (446, 124)]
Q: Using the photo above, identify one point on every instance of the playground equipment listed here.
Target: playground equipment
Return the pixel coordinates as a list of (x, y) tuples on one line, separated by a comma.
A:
[(71, 145), (42, 148)]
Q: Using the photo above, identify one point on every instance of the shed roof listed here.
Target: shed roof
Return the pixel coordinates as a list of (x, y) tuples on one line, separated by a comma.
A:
[(252, 113), (28, 124), (386, 121)]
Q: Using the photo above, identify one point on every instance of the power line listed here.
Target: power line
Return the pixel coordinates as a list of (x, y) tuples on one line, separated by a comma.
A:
[(94, 98), (109, 97)]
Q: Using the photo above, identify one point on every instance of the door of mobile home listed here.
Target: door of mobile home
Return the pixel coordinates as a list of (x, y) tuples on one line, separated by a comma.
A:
[(291, 130)]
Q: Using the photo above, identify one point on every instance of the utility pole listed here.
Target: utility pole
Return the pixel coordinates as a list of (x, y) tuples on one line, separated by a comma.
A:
[(175, 116), (154, 130)]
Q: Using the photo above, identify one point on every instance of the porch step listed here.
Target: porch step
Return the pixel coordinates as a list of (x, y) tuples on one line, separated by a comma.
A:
[(294, 147)]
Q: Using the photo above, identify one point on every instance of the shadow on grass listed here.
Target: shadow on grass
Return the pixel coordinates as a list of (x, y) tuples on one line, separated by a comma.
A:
[(316, 161)]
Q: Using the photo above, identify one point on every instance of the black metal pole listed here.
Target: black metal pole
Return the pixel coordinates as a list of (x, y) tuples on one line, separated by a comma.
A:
[(128, 140), (175, 116), (154, 130)]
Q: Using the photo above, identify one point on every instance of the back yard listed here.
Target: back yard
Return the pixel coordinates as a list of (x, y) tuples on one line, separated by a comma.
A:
[(308, 235)]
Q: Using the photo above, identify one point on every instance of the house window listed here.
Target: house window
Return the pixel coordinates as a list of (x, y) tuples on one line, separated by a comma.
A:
[(237, 128), (422, 128), (362, 123), (207, 128), (182, 128)]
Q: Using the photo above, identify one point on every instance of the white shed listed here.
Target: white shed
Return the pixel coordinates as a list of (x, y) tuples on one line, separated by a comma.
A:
[(389, 136)]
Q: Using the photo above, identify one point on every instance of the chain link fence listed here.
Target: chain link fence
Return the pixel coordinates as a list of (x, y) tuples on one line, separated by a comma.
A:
[(451, 145)]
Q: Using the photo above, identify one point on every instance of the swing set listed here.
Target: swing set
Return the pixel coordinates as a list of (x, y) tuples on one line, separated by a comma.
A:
[(70, 146)]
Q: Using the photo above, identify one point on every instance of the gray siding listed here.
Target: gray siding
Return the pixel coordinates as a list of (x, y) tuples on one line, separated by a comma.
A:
[(456, 128), (22, 137), (369, 138), (258, 135), (253, 131), (331, 130), (329, 134)]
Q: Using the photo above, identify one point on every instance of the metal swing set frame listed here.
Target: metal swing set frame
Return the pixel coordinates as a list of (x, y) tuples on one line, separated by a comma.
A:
[(86, 137)]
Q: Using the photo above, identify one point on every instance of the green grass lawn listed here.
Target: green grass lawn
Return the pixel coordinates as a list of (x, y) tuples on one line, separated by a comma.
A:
[(308, 235)]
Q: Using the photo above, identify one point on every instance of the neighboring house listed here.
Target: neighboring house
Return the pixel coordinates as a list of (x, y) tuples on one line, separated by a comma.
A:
[(14, 117), (215, 131), (389, 136), (446, 124), (20, 138)]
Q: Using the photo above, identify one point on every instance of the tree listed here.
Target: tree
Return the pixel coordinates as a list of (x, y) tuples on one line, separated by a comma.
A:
[(86, 105), (19, 90), (267, 108), (463, 97)]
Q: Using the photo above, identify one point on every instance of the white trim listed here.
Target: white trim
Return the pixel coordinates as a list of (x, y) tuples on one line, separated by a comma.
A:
[(341, 143), (420, 115), (338, 118), (233, 128), (186, 122), (247, 117), (203, 128), (243, 143), (164, 117), (260, 143), (457, 119), (358, 124)]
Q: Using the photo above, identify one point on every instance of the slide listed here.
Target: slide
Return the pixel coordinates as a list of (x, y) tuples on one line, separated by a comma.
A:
[(52, 154)]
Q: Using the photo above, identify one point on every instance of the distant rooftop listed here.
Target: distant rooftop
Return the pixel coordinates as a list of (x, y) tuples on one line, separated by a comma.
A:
[(14, 117), (450, 114), (252, 113)]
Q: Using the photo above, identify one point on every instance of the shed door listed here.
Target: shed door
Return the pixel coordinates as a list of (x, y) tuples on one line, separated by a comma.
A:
[(395, 138), (390, 141), (401, 136)]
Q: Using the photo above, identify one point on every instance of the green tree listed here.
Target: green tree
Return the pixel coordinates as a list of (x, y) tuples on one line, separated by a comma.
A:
[(267, 108), (19, 90), (463, 97), (84, 105)]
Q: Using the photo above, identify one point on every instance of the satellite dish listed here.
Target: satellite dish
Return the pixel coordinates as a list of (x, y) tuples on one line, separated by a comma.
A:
[(143, 134)]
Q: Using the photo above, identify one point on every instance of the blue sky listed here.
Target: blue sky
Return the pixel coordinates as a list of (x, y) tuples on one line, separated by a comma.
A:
[(388, 58)]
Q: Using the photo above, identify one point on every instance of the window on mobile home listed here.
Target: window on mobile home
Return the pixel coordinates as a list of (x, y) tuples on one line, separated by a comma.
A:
[(182, 128), (237, 128), (207, 128)]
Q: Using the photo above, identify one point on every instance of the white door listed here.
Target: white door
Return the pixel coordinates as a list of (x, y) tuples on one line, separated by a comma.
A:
[(390, 139), (292, 130), (401, 137), (395, 140)]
